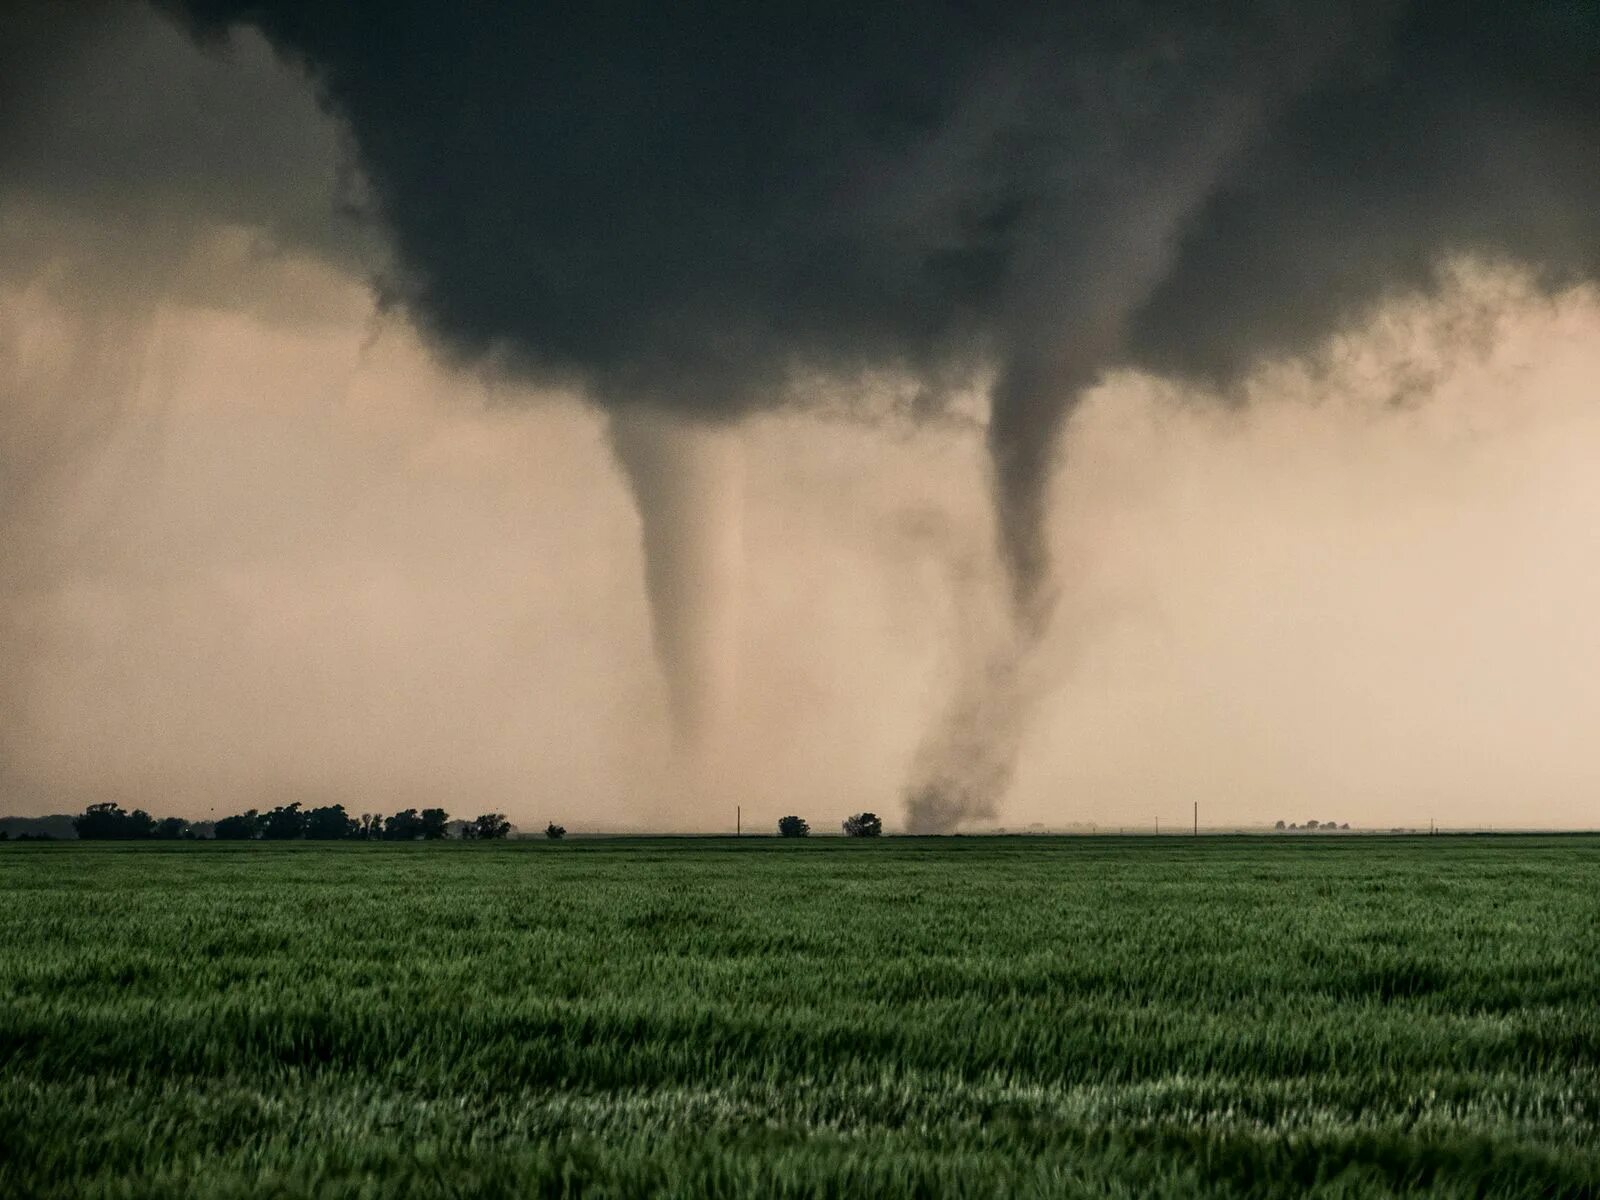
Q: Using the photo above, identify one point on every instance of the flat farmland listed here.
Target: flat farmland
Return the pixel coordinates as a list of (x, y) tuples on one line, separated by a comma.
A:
[(1350, 1016)]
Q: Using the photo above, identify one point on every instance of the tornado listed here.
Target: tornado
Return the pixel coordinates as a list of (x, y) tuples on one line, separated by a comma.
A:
[(687, 483)]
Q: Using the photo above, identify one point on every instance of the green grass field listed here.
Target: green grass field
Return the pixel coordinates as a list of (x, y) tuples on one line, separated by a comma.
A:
[(983, 1017)]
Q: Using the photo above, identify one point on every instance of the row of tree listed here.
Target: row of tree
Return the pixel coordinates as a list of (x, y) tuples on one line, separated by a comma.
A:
[(864, 824), (1313, 825), (330, 822), (291, 822)]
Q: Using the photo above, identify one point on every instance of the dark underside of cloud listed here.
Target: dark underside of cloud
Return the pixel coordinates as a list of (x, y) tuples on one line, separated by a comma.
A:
[(686, 204)]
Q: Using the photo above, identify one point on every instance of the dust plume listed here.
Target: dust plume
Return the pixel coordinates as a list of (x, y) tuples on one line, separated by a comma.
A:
[(964, 763)]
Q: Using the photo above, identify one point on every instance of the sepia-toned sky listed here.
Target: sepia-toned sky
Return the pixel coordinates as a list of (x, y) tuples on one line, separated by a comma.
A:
[(268, 536)]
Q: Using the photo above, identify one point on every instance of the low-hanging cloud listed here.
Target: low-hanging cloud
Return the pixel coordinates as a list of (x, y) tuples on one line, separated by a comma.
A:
[(684, 205)]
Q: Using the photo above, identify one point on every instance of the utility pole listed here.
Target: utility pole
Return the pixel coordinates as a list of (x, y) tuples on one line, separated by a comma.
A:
[(1158, 826), (738, 821), (1197, 818)]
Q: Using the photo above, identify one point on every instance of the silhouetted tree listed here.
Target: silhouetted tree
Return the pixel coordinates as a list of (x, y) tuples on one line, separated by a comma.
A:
[(101, 821), (109, 821), (331, 823), (171, 829), (435, 822), (284, 823), (555, 832), (371, 826), (793, 827), (1309, 825), (1279, 825), (244, 827), (487, 827), (404, 826), (863, 825)]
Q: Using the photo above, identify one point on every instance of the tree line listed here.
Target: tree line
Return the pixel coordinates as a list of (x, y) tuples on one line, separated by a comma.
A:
[(331, 822), (289, 822)]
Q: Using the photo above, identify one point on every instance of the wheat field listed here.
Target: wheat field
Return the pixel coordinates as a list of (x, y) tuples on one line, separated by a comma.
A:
[(711, 1017)]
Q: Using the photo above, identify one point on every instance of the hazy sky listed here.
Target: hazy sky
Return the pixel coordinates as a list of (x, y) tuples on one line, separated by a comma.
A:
[(269, 536)]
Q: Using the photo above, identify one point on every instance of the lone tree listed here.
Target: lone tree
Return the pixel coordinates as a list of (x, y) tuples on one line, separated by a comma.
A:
[(793, 827), (486, 828), (863, 825), (555, 832)]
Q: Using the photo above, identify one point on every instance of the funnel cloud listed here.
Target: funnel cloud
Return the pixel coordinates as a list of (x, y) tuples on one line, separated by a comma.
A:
[(686, 479)]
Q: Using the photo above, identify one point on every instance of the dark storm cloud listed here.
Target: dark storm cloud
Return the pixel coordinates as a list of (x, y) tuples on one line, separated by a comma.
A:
[(676, 204), (109, 117), (1471, 127), (122, 150), (684, 204)]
